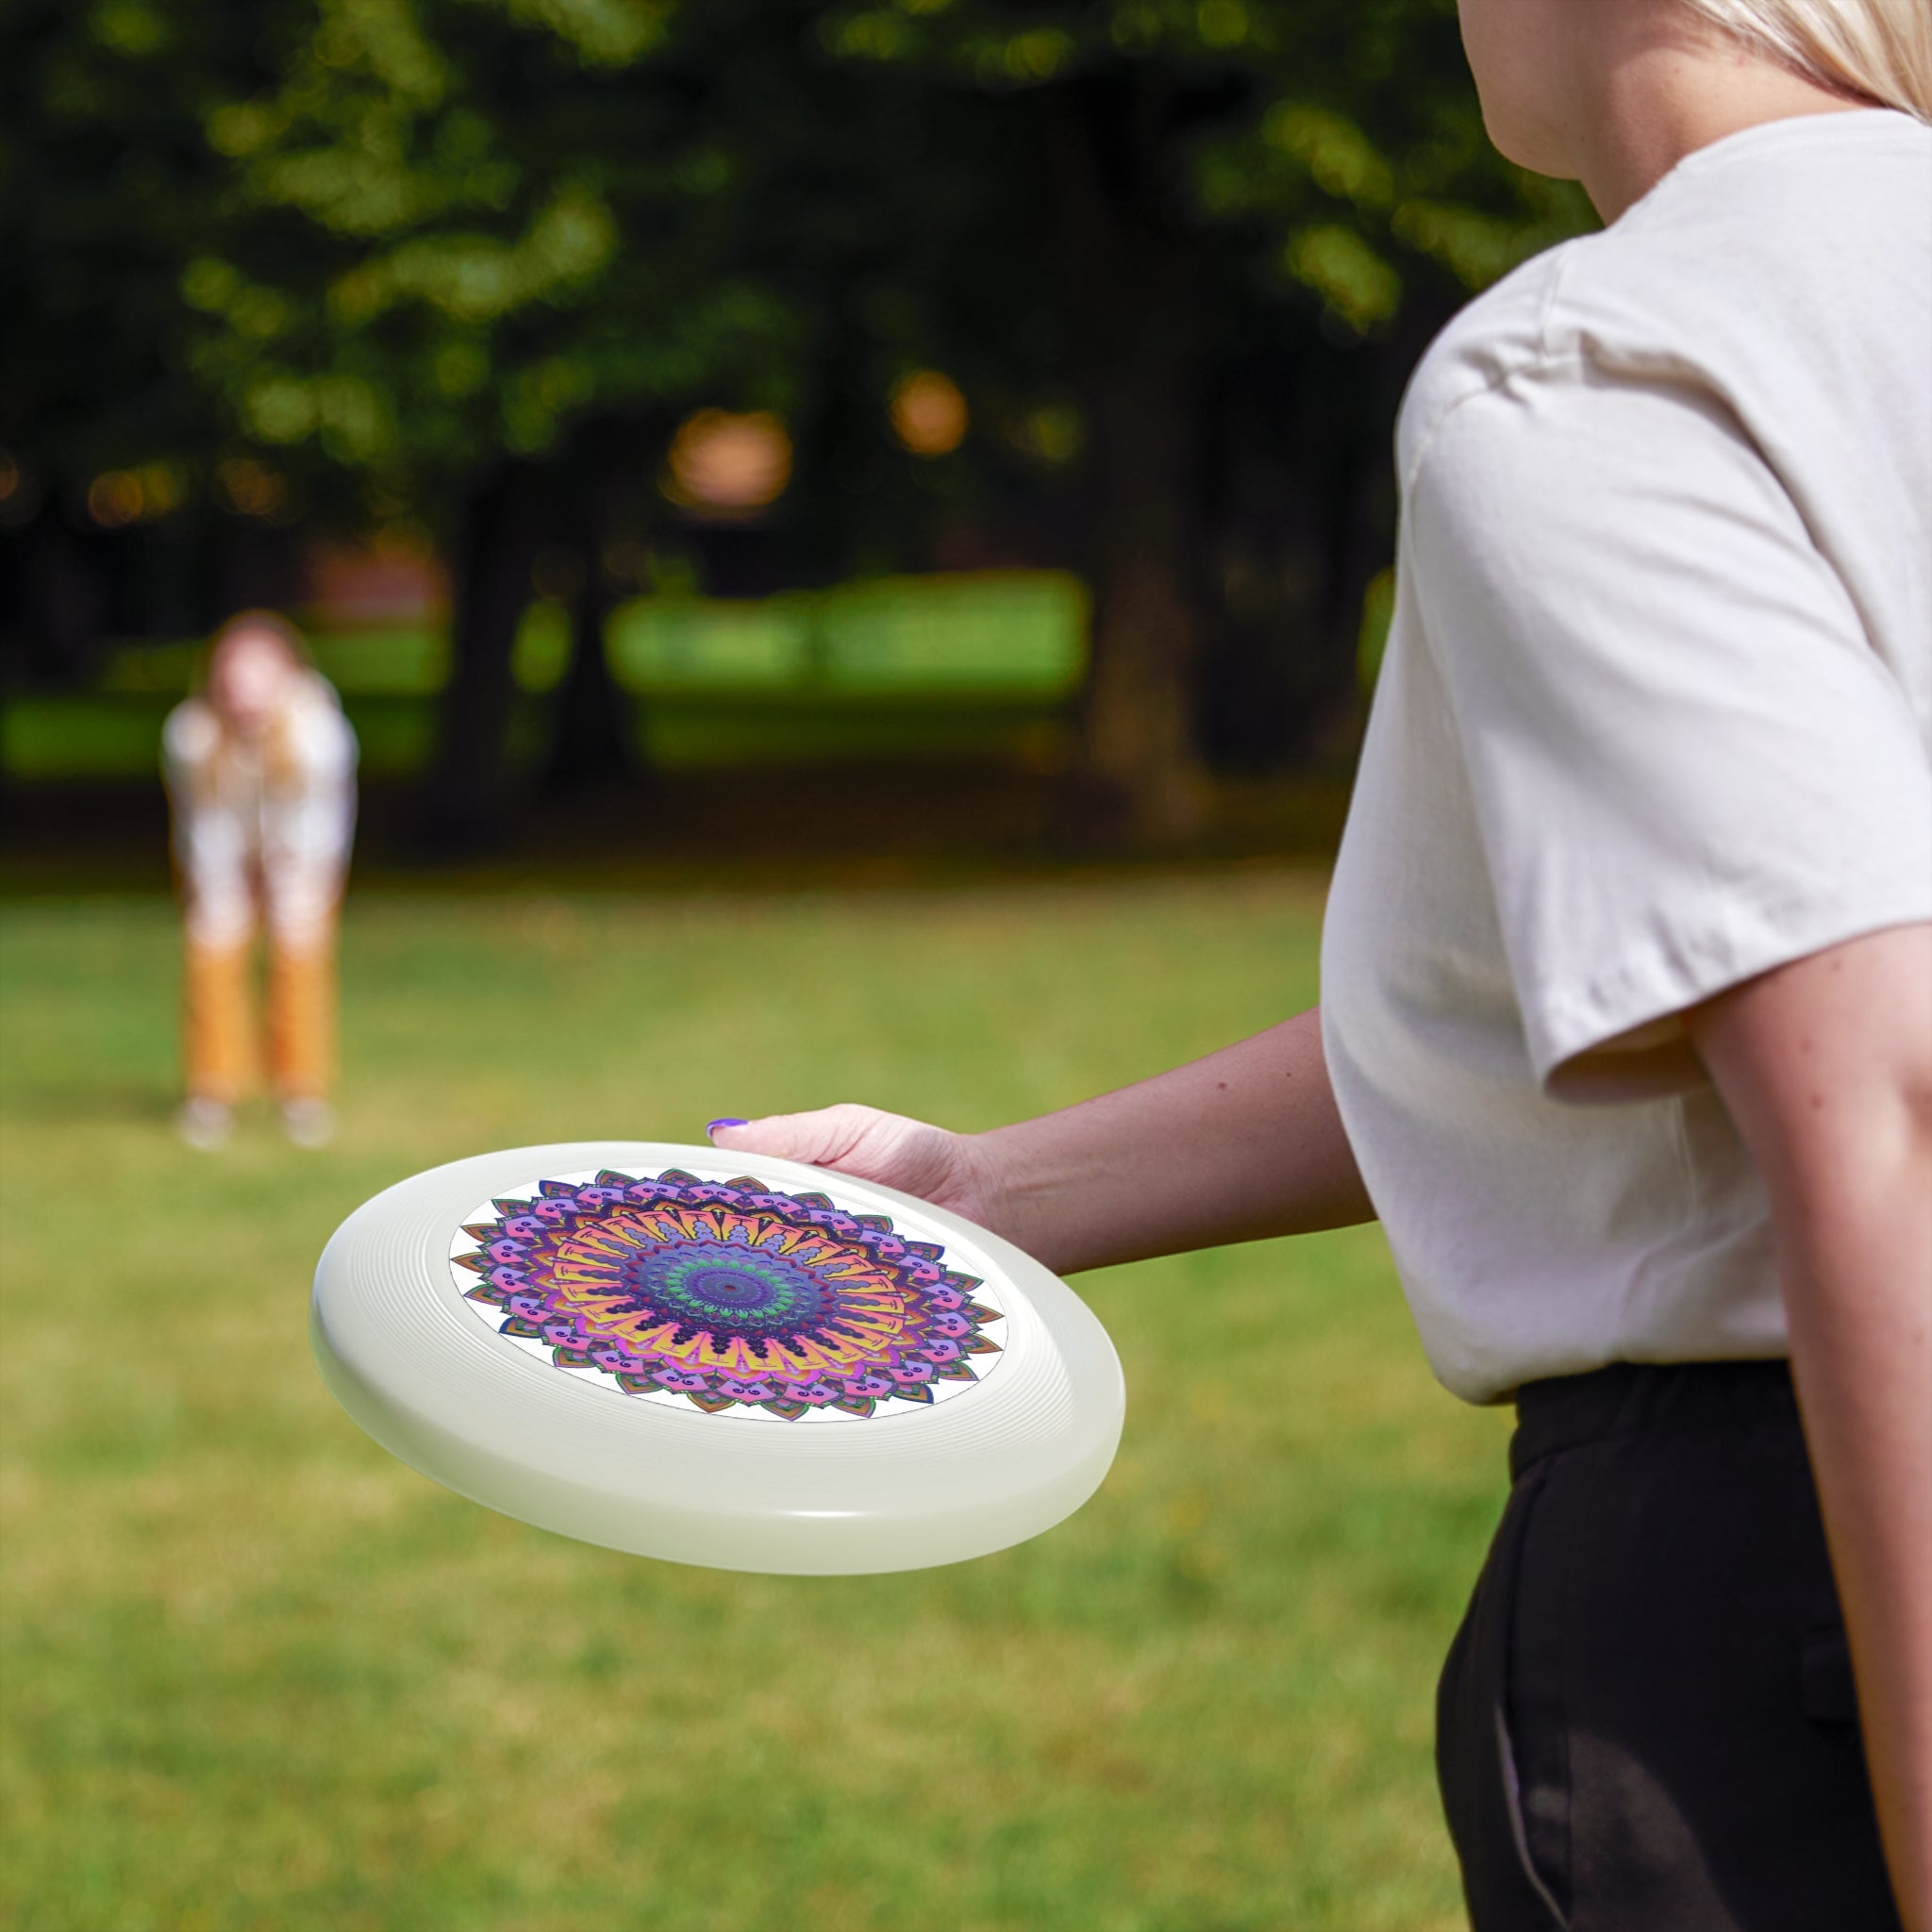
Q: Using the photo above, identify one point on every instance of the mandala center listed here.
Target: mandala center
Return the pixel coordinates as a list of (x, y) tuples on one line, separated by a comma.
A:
[(731, 1291), (720, 1283)]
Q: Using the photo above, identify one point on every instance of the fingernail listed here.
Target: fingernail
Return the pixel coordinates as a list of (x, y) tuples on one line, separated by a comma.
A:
[(716, 1124)]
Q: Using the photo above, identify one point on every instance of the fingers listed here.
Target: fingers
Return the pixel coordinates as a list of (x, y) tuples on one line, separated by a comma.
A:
[(819, 1139), (861, 1140)]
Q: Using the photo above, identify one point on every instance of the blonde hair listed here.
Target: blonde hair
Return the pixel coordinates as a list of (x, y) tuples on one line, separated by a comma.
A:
[(1879, 50)]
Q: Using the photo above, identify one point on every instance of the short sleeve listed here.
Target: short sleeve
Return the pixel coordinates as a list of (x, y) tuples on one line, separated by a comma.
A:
[(1689, 763), (323, 739), (188, 741)]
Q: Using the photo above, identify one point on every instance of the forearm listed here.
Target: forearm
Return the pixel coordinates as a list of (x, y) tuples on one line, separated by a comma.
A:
[(1238, 1147), (1826, 1068), (1859, 1297)]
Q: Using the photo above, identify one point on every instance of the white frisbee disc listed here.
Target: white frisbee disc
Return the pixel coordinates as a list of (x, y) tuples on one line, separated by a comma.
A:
[(716, 1359)]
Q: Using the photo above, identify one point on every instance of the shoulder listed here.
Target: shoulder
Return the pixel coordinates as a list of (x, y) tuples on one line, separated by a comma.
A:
[(1603, 309), (320, 735), (1754, 266), (190, 734), (1496, 338)]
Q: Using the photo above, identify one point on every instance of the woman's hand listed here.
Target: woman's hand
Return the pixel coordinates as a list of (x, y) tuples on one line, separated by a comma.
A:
[(949, 1169)]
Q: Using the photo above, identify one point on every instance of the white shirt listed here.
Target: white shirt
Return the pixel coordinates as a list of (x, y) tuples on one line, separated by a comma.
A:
[(244, 830), (1655, 716)]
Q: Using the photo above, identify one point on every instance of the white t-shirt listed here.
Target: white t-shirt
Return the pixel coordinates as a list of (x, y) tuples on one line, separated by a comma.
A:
[(245, 831), (1655, 716)]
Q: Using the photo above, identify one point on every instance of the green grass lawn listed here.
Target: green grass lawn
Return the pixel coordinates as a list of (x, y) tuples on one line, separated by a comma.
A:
[(983, 664), (260, 1674)]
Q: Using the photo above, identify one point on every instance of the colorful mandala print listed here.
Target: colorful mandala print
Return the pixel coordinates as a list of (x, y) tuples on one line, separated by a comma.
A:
[(730, 1295)]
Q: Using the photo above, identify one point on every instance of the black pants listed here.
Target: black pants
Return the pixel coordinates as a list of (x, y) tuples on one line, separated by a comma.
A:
[(1647, 1722)]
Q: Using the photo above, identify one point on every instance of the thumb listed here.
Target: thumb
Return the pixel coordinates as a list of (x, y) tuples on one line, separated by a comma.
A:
[(817, 1139), (909, 1154)]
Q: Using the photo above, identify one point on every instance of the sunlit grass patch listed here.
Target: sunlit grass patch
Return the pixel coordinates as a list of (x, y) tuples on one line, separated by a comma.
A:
[(258, 1674)]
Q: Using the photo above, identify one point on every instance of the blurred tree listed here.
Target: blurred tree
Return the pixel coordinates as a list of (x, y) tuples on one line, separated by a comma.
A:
[(1235, 195), (107, 188), (505, 247), (511, 226), (469, 262)]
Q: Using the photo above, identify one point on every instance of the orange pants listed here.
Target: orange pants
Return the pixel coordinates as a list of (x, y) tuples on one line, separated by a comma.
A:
[(222, 1049)]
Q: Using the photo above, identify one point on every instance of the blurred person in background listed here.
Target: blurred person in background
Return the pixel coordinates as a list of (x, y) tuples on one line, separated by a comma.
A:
[(260, 768), (1626, 1021)]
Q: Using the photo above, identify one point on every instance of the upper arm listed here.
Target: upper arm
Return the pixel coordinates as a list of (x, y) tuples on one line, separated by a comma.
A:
[(1825, 1067), (323, 739)]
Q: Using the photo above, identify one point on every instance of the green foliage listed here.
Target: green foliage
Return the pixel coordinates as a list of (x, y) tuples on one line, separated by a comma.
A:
[(106, 189), (262, 1674), (1347, 133), (499, 238), (395, 239)]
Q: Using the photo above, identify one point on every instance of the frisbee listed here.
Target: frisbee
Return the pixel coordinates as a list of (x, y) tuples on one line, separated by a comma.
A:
[(716, 1359)]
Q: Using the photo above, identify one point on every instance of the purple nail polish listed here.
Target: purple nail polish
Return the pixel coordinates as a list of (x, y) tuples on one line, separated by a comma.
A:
[(716, 1124)]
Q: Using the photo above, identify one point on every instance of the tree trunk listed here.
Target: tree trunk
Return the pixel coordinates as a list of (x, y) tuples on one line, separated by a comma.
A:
[(62, 603), (1134, 307), (468, 797), (594, 745), (1140, 737), (590, 748)]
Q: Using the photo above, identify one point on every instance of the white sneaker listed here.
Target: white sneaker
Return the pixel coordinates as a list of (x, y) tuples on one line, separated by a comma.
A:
[(204, 1123), (308, 1122)]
